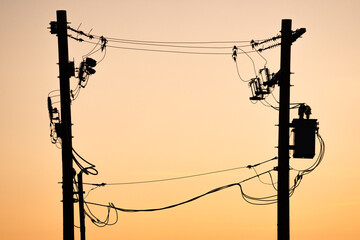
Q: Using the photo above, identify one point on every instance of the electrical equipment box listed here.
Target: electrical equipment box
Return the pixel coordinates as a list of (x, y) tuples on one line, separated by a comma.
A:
[(304, 137)]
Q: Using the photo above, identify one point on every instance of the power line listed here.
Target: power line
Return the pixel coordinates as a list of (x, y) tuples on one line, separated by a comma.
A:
[(267, 200), (175, 42), (178, 44), (181, 177), (162, 44), (174, 46), (111, 205), (166, 51)]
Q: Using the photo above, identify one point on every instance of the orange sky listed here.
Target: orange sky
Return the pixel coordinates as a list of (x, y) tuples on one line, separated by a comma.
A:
[(148, 115)]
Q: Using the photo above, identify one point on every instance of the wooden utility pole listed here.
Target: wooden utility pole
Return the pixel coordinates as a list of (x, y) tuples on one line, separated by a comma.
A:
[(284, 124), (81, 206), (66, 72)]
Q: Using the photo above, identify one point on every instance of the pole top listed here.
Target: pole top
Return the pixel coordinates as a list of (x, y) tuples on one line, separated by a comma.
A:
[(286, 25)]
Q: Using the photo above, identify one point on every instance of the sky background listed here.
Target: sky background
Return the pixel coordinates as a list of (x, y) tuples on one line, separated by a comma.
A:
[(148, 115)]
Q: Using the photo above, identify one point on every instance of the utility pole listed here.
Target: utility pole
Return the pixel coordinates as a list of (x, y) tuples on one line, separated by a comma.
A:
[(66, 71), (284, 124), (81, 206)]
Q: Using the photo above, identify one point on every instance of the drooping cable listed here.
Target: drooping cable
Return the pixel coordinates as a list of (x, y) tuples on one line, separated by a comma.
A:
[(167, 45), (164, 50), (181, 203), (176, 42), (87, 170), (303, 172), (182, 177), (267, 200)]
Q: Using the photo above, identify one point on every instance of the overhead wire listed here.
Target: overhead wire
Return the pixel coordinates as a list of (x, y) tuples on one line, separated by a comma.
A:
[(252, 60), (181, 177), (181, 203), (175, 42), (277, 101), (267, 200), (253, 200), (173, 45), (102, 57), (269, 104), (163, 44), (261, 57), (164, 51), (254, 168), (87, 170)]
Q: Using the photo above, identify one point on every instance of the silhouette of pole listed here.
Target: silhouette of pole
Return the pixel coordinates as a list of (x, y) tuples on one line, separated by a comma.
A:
[(81, 206), (284, 122), (66, 135)]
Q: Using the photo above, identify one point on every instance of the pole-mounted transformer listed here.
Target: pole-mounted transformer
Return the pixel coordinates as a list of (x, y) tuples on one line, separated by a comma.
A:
[(304, 133)]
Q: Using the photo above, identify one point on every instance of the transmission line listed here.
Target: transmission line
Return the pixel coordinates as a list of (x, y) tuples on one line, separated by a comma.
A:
[(181, 203), (181, 177)]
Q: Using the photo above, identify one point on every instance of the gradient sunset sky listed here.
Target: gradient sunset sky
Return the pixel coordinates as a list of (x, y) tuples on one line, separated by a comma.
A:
[(150, 115)]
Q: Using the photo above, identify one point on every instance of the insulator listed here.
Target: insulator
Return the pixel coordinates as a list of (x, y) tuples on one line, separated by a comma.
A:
[(81, 72), (50, 108), (90, 62)]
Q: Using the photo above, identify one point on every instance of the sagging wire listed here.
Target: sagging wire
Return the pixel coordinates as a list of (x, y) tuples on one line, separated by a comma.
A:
[(277, 101), (177, 178), (234, 56), (267, 200), (175, 42), (92, 51), (303, 172), (96, 221), (74, 93), (251, 59), (266, 183), (92, 190), (159, 46), (296, 105), (173, 45), (235, 53), (246, 197), (164, 50), (103, 48), (267, 104), (181, 177), (297, 180), (87, 170), (261, 57), (184, 202)]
